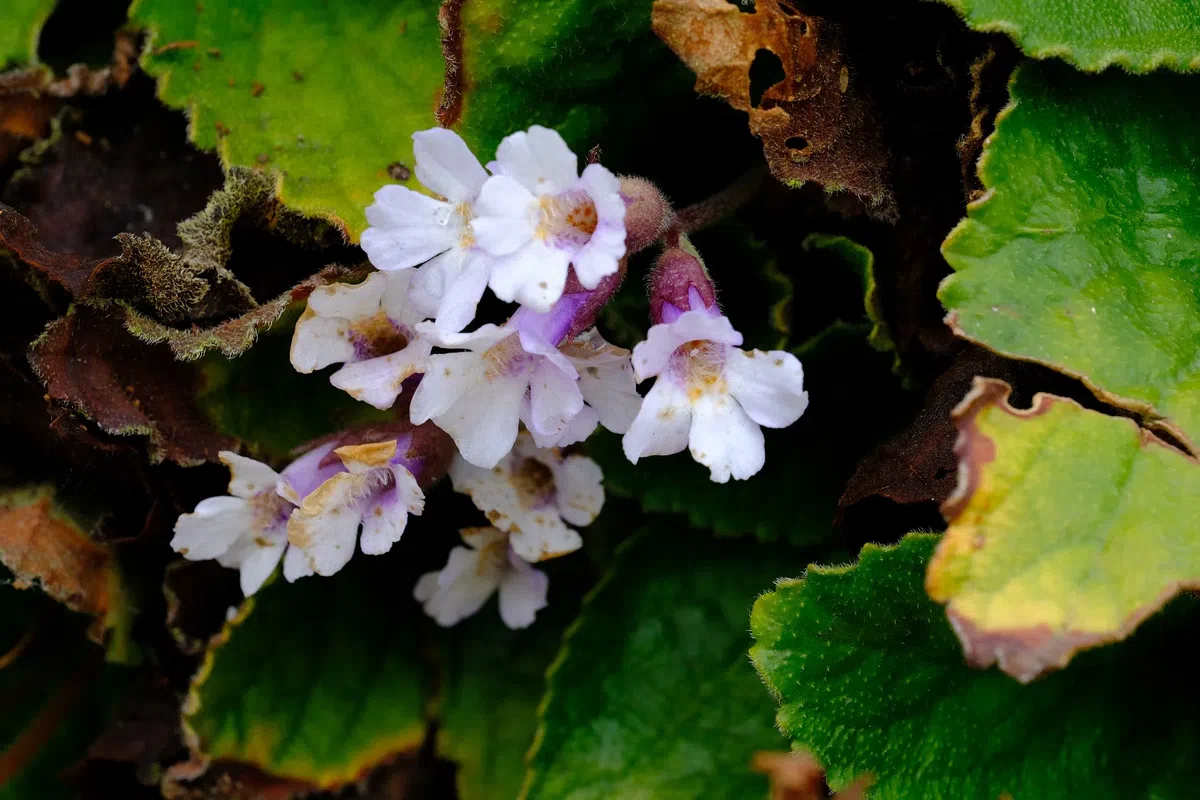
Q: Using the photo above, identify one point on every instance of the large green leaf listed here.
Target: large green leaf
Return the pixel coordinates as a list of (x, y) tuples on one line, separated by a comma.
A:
[(315, 682), (1069, 528), (1083, 253), (20, 23), (493, 683), (1093, 34), (55, 689), (794, 498), (328, 93), (651, 696), (871, 680)]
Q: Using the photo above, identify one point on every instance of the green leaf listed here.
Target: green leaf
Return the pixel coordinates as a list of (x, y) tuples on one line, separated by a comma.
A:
[(317, 681), (494, 682), (1082, 255), (854, 401), (651, 696), (577, 66), (861, 261), (871, 680), (329, 93), (1094, 34), (254, 397), (20, 24), (1069, 528), (57, 693)]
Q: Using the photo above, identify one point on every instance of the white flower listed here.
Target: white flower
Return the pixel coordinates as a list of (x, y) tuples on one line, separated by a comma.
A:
[(370, 327), (538, 215), (711, 396), (473, 573), (248, 530), (532, 494), (505, 375), (377, 491), (408, 228)]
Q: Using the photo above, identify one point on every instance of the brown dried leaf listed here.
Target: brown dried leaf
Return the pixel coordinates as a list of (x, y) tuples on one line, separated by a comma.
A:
[(120, 165), (797, 775), (989, 93), (44, 546), (817, 124), (233, 336), (90, 363)]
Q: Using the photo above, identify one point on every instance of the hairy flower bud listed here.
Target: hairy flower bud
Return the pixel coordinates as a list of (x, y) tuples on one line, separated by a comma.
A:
[(648, 214), (679, 283)]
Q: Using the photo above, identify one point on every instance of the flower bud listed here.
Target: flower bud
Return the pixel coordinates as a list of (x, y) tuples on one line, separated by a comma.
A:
[(679, 283), (648, 214)]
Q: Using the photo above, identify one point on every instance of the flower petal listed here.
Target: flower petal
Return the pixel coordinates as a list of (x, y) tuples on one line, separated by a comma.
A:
[(607, 384), (349, 300), (606, 245), (554, 399), (395, 301), (534, 276), (247, 477), (522, 593), (429, 281), (578, 484), (408, 228), (661, 426), (386, 517), (578, 429), (768, 386), (539, 159), (213, 527), (543, 535), (446, 165), (479, 410), (295, 565), (724, 439), (325, 526), (378, 381), (651, 356), (261, 558), (502, 220), (462, 294), (318, 342), (460, 589)]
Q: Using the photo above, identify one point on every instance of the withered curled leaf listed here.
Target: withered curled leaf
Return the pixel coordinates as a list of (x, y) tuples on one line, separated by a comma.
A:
[(816, 124), (90, 363)]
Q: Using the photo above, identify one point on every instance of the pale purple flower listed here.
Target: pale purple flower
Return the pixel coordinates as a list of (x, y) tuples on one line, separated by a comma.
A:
[(710, 396), (247, 530), (503, 375), (532, 494), (408, 228), (538, 215), (374, 488), (371, 328)]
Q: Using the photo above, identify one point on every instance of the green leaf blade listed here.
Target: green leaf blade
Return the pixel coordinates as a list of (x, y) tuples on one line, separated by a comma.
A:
[(1095, 34), (871, 680), (315, 682), (652, 695), (1082, 254)]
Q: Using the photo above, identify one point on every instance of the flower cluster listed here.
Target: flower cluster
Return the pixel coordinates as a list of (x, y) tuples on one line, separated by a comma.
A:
[(492, 405)]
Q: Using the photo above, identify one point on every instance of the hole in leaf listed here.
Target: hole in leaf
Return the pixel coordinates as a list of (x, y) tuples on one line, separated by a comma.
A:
[(765, 72), (744, 6), (796, 143)]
